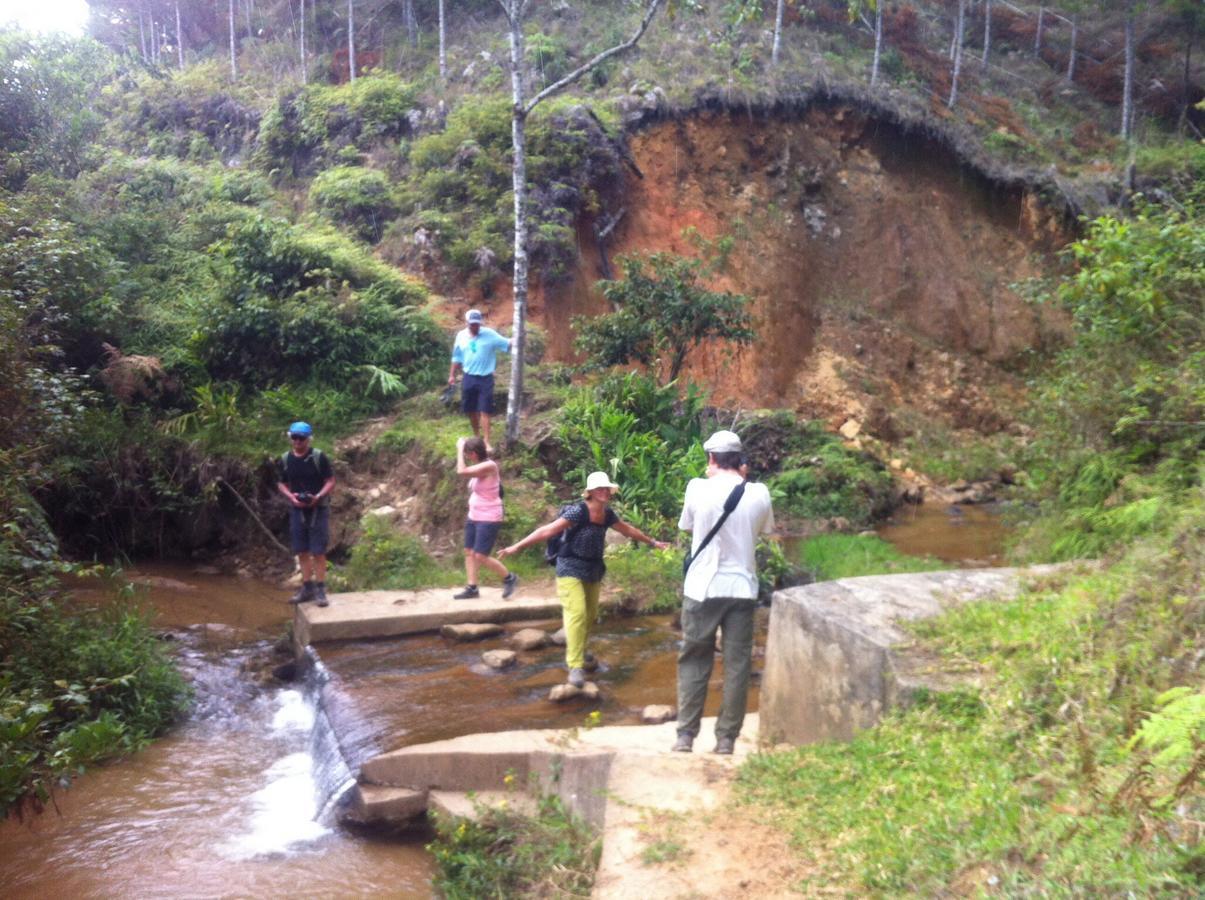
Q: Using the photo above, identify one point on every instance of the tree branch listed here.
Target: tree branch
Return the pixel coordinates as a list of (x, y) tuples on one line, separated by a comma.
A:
[(605, 55)]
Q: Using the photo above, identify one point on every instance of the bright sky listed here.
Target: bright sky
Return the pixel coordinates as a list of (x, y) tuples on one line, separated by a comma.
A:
[(67, 16)]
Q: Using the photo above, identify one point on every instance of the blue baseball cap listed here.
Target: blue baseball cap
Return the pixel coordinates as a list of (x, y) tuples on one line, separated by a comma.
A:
[(300, 429)]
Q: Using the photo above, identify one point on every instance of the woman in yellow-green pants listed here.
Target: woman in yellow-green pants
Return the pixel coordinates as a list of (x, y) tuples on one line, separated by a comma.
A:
[(579, 565)]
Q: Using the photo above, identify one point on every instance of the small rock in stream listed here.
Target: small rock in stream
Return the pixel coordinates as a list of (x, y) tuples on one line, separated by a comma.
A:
[(499, 659)]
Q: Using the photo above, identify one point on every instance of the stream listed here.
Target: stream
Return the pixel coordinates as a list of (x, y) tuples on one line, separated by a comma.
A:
[(238, 800)]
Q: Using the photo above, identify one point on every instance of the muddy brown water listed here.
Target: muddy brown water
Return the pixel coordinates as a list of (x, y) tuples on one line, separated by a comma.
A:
[(236, 801)]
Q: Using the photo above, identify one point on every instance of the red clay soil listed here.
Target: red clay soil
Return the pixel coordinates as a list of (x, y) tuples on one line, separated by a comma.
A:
[(879, 268)]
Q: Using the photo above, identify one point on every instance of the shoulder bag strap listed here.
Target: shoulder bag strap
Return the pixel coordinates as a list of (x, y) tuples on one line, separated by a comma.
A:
[(729, 505)]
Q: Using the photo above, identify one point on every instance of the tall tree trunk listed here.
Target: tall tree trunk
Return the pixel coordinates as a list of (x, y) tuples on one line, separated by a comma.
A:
[(778, 34), (179, 39), (351, 41), (411, 22), (443, 46), (142, 36), (233, 67), (154, 40), (878, 42), (518, 61), (1127, 91), (962, 11), (521, 109), (1186, 84), (247, 14), (1037, 36), (987, 31), (1071, 52), (301, 46)]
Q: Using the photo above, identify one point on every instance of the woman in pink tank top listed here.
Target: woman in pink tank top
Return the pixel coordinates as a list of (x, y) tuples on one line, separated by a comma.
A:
[(484, 518)]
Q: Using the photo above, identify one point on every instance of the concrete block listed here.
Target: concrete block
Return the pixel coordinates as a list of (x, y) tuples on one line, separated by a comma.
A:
[(837, 659)]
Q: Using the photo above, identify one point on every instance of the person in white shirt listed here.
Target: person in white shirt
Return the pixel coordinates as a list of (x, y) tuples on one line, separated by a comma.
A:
[(720, 590)]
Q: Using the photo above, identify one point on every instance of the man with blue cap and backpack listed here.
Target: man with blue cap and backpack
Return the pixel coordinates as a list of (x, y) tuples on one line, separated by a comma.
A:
[(307, 479)]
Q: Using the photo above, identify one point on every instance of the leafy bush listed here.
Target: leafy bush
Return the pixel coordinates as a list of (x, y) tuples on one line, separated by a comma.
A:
[(310, 126), (1118, 416), (295, 304), (460, 188), (663, 314), (834, 482), (643, 435), (505, 854), (646, 580), (384, 558), (355, 196)]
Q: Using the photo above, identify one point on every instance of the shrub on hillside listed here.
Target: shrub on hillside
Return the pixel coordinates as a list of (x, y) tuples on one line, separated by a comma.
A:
[(311, 125), (295, 304), (833, 482), (460, 186), (354, 196)]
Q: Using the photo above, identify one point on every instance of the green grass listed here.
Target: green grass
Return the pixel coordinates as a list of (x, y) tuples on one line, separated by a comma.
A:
[(829, 556), (505, 854), (1059, 776), (646, 579)]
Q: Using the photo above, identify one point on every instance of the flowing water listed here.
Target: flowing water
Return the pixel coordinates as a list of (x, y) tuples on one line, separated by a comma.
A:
[(238, 800)]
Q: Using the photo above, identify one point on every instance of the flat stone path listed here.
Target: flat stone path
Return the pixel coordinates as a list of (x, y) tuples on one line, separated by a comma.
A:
[(622, 779), (379, 614)]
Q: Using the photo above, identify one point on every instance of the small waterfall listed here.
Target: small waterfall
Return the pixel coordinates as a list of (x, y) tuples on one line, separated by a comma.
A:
[(304, 785)]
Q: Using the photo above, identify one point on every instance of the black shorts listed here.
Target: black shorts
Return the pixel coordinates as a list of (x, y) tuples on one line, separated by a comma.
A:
[(309, 529), (477, 394), (480, 536)]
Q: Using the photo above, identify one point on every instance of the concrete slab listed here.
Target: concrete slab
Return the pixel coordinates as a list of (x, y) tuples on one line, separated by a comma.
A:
[(575, 764), (378, 614), (468, 805), (837, 658), (376, 803)]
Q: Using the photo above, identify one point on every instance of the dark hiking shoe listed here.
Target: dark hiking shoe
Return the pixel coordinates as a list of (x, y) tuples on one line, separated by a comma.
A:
[(577, 678), (322, 601), (724, 746), (509, 583), (470, 592), (304, 594), (684, 744)]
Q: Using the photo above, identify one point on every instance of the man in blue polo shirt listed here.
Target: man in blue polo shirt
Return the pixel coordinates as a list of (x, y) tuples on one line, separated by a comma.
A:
[(475, 351)]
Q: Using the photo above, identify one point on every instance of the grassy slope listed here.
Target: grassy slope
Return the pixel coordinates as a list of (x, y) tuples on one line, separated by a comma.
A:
[(1029, 783)]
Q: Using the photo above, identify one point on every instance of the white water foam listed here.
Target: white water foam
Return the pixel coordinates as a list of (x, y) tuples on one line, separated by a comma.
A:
[(283, 813)]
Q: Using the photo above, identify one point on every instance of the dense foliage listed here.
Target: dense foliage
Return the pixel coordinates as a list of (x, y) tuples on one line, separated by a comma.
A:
[(1121, 414)]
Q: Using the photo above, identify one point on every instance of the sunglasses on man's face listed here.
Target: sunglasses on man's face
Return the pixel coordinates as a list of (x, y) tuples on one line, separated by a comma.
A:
[(299, 437)]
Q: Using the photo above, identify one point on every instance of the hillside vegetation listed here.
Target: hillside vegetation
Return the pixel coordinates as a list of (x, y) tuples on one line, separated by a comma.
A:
[(196, 251)]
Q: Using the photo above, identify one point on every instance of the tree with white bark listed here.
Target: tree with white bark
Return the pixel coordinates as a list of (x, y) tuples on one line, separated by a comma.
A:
[(959, 27), (521, 109)]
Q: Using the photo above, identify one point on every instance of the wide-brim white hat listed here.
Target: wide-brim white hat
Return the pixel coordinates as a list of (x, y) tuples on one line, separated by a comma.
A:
[(597, 480)]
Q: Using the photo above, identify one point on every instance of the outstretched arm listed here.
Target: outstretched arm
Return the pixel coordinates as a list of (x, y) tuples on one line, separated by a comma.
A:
[(543, 533), (631, 531)]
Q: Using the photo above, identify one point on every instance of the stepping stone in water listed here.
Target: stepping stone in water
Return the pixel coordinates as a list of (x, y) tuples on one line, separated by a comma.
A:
[(471, 631), (655, 714), (529, 639), (563, 692)]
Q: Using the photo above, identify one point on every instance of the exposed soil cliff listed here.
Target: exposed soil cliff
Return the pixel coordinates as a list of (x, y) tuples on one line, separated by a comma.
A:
[(879, 266)]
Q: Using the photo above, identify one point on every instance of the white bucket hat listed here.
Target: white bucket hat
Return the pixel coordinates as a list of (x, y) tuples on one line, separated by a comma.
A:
[(597, 480)]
